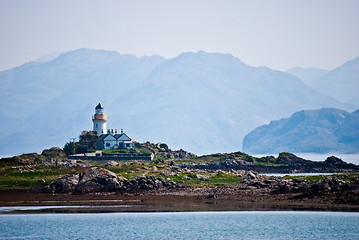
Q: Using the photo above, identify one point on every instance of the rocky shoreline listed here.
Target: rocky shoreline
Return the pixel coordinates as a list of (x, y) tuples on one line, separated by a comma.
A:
[(234, 198), (217, 182), (102, 180), (100, 190)]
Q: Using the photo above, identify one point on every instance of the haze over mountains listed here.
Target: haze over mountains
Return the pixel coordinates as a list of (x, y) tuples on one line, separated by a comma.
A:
[(201, 102), (307, 75), (326, 130), (342, 82)]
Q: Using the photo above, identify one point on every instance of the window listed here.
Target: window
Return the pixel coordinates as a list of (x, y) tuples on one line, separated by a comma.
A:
[(108, 144)]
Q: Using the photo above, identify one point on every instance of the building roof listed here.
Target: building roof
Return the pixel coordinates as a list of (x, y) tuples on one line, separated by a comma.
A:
[(102, 137), (122, 137), (109, 137), (99, 106)]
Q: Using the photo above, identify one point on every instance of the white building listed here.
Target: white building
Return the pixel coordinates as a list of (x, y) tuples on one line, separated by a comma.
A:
[(109, 140), (113, 140)]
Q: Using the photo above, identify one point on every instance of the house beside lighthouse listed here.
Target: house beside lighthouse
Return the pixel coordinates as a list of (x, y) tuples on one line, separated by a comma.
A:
[(108, 138)]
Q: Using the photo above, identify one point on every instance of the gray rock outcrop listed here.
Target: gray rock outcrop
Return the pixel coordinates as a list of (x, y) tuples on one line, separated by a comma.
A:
[(102, 180), (325, 186), (284, 163), (64, 184)]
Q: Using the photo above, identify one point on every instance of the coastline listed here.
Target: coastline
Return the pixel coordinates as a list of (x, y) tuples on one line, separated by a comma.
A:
[(217, 182)]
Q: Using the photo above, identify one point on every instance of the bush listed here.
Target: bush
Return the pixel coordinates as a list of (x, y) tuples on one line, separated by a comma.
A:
[(81, 149), (69, 148)]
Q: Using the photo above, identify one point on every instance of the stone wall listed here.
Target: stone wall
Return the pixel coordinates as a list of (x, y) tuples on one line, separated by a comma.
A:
[(115, 157)]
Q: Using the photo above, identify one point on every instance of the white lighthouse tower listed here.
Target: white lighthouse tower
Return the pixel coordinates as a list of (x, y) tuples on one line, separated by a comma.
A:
[(99, 120)]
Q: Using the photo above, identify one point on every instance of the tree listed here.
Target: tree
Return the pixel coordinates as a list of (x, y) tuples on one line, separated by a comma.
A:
[(81, 149), (88, 139), (69, 148)]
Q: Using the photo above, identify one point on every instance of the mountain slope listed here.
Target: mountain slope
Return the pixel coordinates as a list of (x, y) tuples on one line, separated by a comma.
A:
[(207, 102), (44, 104), (342, 83), (307, 75), (320, 131), (202, 102)]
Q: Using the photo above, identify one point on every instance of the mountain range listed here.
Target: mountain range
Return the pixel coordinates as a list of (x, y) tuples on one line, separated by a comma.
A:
[(342, 83), (321, 131), (307, 75), (202, 102)]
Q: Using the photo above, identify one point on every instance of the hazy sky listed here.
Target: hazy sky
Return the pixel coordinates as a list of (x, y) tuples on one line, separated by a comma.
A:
[(279, 34)]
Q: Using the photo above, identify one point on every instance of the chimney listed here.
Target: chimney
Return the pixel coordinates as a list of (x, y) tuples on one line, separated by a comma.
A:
[(108, 131), (112, 131), (116, 131), (121, 130)]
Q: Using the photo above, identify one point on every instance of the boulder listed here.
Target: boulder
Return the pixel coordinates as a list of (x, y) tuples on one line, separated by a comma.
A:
[(98, 180), (53, 152), (111, 164), (63, 184)]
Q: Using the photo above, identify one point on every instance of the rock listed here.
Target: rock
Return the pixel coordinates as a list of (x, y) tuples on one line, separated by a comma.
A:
[(162, 146), (53, 152), (203, 177), (251, 175), (192, 175), (41, 181), (98, 180), (102, 180), (111, 164), (66, 163), (63, 184), (88, 187)]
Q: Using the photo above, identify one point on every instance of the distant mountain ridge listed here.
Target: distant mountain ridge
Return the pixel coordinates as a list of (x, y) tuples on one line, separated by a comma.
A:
[(307, 75), (322, 131), (342, 83), (201, 102)]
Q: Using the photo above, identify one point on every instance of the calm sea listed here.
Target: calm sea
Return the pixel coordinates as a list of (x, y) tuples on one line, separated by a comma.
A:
[(182, 225)]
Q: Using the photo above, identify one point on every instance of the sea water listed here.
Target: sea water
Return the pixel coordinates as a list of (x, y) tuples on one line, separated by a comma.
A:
[(182, 225)]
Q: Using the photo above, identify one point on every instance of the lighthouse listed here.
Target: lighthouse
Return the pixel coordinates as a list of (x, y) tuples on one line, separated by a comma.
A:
[(99, 120)]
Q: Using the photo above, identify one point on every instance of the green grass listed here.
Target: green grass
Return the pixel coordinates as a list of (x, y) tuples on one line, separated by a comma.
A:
[(263, 163), (144, 151), (14, 178), (310, 178), (17, 182), (124, 168), (213, 181), (351, 176)]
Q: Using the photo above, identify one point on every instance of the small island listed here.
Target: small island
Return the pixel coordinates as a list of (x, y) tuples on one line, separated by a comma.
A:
[(111, 172), (176, 181)]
